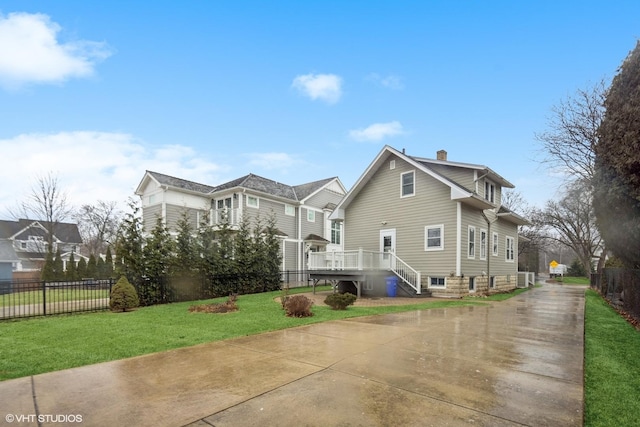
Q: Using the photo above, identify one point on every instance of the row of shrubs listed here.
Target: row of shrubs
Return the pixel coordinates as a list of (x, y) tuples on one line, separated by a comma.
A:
[(124, 297)]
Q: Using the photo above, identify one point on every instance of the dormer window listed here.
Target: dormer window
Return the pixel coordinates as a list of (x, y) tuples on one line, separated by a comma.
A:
[(489, 191)]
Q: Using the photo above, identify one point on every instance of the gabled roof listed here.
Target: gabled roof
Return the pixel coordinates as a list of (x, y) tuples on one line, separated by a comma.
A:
[(303, 191), (458, 192), (173, 182), (63, 231)]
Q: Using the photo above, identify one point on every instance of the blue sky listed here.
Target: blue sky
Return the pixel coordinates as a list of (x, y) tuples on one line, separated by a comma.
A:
[(98, 92)]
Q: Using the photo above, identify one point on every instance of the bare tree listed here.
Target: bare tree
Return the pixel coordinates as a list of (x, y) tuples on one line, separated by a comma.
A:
[(572, 135), (572, 222), (46, 203), (98, 224)]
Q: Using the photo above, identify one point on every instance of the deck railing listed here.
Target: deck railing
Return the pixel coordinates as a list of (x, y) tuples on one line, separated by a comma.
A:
[(365, 260)]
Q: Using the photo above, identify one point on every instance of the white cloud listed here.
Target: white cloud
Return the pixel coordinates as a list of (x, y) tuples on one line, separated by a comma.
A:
[(31, 53), (272, 161), (391, 81), (325, 87), (93, 166), (377, 131)]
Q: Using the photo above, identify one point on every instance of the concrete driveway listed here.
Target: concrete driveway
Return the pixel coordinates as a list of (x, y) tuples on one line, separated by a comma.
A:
[(517, 362)]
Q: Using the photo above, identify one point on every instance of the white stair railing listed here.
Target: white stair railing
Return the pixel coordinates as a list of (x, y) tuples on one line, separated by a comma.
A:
[(366, 260), (407, 273)]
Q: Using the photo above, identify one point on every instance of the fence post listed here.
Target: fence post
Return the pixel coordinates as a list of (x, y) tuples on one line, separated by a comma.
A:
[(44, 298), (360, 258)]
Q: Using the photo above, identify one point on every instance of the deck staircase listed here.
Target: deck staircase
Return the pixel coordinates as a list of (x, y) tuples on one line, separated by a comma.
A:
[(409, 279)]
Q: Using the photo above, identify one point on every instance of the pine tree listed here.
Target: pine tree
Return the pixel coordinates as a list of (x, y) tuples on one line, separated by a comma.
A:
[(58, 267), (108, 261), (82, 268), (123, 296), (47, 273), (72, 269), (100, 268), (184, 271), (92, 267), (128, 250), (158, 257)]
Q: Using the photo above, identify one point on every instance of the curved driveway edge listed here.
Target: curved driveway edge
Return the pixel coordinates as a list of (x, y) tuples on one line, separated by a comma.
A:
[(516, 362)]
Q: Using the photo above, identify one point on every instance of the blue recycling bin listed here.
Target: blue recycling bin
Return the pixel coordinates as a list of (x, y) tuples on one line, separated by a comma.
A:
[(392, 286)]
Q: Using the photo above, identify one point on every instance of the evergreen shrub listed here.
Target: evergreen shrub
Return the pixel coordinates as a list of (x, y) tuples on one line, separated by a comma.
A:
[(340, 301), (123, 296)]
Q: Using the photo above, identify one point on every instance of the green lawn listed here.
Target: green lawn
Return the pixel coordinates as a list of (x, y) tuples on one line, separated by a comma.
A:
[(612, 366), (52, 295), (33, 346), (568, 280)]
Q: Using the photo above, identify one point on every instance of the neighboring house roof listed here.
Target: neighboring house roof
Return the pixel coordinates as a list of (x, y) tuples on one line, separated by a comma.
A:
[(172, 181), (305, 190), (314, 238), (7, 253), (260, 184), (63, 231), (250, 182), (458, 192)]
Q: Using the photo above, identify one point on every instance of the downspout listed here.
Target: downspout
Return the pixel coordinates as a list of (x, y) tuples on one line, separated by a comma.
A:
[(300, 250), (459, 238)]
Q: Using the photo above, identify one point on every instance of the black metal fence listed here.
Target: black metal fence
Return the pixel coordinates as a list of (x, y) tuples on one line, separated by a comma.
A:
[(621, 286), (30, 298)]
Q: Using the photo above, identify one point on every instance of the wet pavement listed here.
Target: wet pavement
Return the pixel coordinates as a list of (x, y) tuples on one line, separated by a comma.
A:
[(516, 362)]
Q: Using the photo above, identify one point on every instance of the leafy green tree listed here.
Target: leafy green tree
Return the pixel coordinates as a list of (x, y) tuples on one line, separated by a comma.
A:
[(158, 257), (245, 265), (617, 177), (72, 269)]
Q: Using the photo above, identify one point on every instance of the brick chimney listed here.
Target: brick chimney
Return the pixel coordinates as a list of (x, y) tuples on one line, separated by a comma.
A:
[(441, 155)]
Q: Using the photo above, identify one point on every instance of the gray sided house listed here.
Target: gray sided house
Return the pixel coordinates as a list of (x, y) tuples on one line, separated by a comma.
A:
[(301, 211), (436, 223), (29, 240)]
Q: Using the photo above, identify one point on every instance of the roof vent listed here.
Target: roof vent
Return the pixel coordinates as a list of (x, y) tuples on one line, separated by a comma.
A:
[(441, 155)]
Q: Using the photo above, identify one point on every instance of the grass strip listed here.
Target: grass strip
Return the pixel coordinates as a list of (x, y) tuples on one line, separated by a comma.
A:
[(612, 366)]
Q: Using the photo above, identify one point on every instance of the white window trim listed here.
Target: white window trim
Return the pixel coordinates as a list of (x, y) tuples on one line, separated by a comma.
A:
[(489, 197), (310, 217), (484, 246), (426, 238), (495, 244), (257, 205), (291, 208), (437, 286), (510, 250), (471, 250), (413, 173)]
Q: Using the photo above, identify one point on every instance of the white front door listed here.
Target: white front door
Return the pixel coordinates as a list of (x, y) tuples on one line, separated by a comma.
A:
[(387, 244)]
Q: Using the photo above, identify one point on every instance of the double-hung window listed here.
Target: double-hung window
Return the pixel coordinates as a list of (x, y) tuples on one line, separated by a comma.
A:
[(483, 244), (407, 184), (494, 246), (336, 232), (472, 242), (489, 191), (510, 250), (434, 237)]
